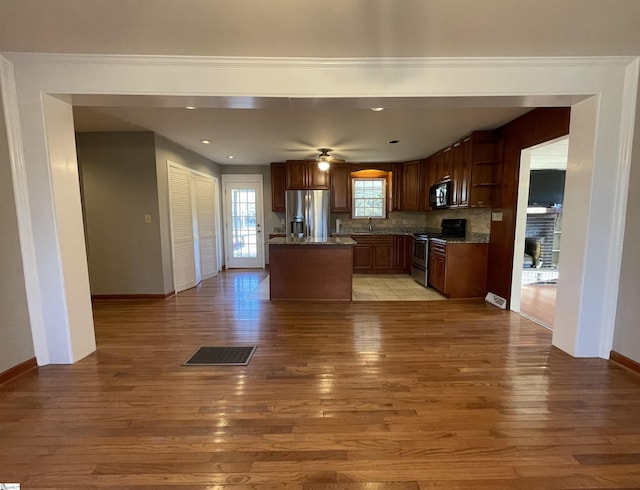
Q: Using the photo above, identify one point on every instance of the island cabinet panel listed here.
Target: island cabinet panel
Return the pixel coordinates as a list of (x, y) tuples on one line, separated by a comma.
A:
[(310, 272), (305, 175), (458, 269), (340, 188), (278, 187)]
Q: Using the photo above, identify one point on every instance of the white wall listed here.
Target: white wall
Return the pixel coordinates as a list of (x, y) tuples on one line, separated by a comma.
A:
[(16, 345), (627, 333), (608, 79), (74, 339)]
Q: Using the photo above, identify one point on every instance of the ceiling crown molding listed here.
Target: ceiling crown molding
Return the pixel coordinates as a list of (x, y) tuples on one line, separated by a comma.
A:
[(317, 63)]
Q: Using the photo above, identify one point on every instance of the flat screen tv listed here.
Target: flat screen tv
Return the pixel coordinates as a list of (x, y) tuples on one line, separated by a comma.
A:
[(546, 187)]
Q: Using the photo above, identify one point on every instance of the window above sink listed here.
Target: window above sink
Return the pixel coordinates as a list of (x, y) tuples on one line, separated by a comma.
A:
[(368, 198)]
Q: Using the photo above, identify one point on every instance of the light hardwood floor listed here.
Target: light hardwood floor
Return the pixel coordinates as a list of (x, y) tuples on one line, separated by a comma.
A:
[(539, 302), (358, 396)]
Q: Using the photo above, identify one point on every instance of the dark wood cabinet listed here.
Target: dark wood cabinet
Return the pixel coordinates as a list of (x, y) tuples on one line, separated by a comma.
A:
[(318, 179), (402, 253), (362, 257), (278, 187), (458, 269), (437, 267), (304, 175), (382, 254), (396, 187), (425, 183), (474, 167), (410, 189), (340, 188), (446, 165), (463, 176), (460, 174), (485, 166)]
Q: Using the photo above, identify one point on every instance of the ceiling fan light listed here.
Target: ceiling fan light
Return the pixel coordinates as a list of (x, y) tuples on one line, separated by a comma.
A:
[(323, 165)]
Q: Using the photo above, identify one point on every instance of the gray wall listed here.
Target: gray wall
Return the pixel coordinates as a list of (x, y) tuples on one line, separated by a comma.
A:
[(16, 343), (166, 149), (118, 181), (626, 340), (271, 219)]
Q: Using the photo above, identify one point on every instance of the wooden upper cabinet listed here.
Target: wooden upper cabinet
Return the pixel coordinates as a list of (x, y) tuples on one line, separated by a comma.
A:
[(460, 173), (318, 179), (447, 165), (437, 168), (296, 175), (278, 187), (410, 192), (463, 177), (396, 186), (302, 175), (425, 183), (340, 188), (486, 167)]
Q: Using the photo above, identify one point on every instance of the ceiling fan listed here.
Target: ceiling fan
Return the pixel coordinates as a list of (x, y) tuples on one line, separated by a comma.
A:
[(324, 159)]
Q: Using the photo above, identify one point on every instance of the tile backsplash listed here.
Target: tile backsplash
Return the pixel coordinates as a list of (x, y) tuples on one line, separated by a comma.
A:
[(478, 221)]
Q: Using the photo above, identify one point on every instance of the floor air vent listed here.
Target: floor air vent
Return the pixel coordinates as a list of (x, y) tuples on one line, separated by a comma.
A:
[(221, 356)]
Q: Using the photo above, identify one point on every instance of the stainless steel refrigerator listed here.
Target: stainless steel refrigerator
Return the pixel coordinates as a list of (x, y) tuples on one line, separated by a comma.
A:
[(308, 214)]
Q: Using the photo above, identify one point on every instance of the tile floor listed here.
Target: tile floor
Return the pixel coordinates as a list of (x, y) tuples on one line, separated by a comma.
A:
[(373, 287), (391, 287)]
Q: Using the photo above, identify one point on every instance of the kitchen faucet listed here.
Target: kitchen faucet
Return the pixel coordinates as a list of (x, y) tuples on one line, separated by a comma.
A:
[(369, 218)]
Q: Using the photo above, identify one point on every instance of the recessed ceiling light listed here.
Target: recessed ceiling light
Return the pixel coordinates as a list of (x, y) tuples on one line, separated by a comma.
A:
[(190, 107), (205, 142), (377, 109), (230, 157), (393, 142)]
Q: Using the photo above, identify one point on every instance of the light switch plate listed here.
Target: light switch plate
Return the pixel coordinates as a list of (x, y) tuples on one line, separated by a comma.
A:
[(147, 218)]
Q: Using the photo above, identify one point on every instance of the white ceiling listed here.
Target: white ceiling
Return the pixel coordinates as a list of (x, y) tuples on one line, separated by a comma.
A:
[(265, 130)]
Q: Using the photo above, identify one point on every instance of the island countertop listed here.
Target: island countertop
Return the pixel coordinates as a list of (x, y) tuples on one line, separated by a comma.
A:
[(338, 240)]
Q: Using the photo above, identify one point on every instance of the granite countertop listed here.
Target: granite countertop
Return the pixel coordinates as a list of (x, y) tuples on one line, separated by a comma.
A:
[(338, 240), (472, 239), (385, 231)]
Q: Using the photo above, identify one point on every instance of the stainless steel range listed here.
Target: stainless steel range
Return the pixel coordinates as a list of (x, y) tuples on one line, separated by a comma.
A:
[(450, 228)]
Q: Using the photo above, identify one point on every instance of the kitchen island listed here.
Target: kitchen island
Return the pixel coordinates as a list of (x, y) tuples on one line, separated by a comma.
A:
[(308, 269)]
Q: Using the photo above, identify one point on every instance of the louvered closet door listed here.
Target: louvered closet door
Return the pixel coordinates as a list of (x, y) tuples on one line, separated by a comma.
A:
[(181, 206), (206, 234)]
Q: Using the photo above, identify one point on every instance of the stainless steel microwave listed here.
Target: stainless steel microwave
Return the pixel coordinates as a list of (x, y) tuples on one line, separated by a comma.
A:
[(440, 194)]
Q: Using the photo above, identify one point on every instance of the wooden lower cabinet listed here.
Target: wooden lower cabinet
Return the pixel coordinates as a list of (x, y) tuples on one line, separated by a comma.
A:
[(402, 253), (458, 269), (381, 254), (362, 260)]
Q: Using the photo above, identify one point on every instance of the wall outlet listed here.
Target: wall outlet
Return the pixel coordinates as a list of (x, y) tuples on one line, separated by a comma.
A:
[(282, 221), (147, 218), (496, 216)]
